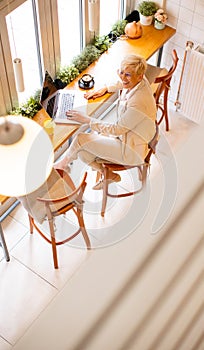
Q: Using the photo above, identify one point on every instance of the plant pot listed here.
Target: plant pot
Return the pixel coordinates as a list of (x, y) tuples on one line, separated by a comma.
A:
[(146, 20), (159, 25)]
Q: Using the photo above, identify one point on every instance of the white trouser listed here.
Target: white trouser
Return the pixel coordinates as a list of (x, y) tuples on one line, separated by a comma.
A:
[(91, 146)]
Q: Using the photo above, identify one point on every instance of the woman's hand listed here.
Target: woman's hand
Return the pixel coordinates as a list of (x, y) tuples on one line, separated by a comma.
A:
[(78, 117), (95, 94)]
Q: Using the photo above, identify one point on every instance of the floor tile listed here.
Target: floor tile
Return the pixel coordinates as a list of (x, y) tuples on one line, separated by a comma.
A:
[(13, 232), (23, 296), (4, 345), (36, 254), (20, 215)]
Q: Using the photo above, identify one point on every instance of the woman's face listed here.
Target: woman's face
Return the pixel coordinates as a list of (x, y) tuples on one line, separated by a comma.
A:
[(129, 78)]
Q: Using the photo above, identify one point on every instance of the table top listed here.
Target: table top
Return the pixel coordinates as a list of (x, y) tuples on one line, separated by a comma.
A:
[(104, 71)]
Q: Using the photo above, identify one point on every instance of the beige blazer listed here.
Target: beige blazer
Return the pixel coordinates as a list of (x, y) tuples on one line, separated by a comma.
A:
[(135, 125)]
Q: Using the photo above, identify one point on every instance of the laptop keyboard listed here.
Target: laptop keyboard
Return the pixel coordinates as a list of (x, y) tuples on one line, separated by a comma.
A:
[(66, 104)]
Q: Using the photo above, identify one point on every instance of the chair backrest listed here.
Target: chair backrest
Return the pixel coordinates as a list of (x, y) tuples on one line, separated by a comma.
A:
[(164, 81), (67, 194), (58, 185)]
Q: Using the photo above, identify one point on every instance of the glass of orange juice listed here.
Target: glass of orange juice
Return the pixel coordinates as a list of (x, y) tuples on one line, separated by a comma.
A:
[(49, 126)]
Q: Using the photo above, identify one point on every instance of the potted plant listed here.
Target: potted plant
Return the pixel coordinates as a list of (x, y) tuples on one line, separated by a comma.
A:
[(118, 28), (29, 108), (147, 9), (160, 18)]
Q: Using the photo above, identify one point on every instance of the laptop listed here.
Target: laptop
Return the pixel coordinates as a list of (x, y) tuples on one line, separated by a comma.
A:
[(57, 101)]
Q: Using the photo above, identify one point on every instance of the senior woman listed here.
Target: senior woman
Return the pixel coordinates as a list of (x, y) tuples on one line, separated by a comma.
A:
[(126, 140)]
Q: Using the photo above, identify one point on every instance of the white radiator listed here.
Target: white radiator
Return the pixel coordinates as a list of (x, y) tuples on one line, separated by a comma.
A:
[(192, 100)]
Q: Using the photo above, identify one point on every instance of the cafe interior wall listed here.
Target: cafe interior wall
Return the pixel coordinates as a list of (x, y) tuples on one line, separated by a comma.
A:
[(187, 17)]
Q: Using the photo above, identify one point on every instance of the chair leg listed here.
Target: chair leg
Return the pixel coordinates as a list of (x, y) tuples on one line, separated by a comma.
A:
[(140, 172), (98, 176), (166, 91), (144, 175), (53, 242), (30, 223), (105, 191), (3, 244), (82, 227)]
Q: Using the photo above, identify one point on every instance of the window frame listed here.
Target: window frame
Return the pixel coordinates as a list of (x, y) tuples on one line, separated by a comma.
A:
[(48, 19), (7, 83)]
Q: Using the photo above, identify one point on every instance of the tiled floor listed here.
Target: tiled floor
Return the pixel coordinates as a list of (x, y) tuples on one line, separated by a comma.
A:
[(29, 282)]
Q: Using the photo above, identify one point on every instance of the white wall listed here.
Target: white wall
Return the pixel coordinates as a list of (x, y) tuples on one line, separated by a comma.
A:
[(187, 16)]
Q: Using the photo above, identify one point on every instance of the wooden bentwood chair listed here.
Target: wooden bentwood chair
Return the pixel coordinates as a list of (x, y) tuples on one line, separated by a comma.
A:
[(161, 86), (56, 197), (142, 171)]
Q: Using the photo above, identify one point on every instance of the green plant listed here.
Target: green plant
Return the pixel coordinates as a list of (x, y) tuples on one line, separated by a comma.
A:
[(102, 43), (68, 73), (147, 8), (119, 27), (87, 56), (30, 107)]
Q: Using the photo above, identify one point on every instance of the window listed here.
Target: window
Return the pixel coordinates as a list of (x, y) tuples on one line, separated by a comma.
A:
[(23, 45), (110, 12), (69, 29)]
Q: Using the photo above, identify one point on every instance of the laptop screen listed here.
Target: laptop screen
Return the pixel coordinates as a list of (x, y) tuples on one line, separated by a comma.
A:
[(48, 93)]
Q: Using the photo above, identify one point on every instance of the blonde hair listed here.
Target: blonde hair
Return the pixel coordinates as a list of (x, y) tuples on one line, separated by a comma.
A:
[(136, 62)]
